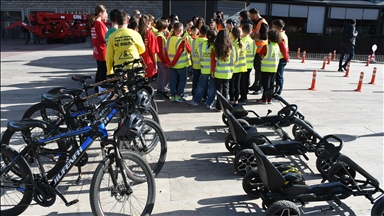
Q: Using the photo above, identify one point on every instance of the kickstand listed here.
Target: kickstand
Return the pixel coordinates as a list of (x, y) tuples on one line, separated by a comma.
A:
[(80, 175)]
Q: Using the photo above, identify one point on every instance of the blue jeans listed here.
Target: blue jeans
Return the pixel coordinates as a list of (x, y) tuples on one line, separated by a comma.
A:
[(205, 81), (280, 74), (350, 49), (179, 79), (195, 79)]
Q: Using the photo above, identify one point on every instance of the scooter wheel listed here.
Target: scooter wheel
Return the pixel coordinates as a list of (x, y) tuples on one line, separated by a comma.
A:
[(230, 144), (378, 208), (252, 184), (244, 161), (282, 207), (323, 166), (341, 172)]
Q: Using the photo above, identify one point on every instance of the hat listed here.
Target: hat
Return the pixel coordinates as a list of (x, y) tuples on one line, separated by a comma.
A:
[(231, 21)]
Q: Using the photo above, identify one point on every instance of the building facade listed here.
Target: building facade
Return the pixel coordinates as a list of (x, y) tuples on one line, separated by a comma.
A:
[(313, 25)]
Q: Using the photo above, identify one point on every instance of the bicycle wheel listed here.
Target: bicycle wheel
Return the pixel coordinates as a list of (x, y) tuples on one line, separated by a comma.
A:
[(16, 194), (53, 155), (151, 114), (151, 145), (109, 194)]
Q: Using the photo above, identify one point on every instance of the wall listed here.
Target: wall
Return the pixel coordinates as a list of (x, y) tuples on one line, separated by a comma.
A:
[(87, 6)]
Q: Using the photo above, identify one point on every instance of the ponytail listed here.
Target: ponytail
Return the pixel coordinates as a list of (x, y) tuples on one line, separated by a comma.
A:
[(239, 43)]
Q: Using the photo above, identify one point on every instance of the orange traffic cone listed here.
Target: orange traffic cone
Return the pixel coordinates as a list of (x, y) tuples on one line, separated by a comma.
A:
[(329, 58), (334, 55), (313, 85), (373, 76), (368, 60), (360, 84), (325, 59), (347, 70), (303, 58), (298, 53)]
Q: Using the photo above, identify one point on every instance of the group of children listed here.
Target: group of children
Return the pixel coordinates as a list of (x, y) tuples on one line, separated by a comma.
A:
[(219, 60)]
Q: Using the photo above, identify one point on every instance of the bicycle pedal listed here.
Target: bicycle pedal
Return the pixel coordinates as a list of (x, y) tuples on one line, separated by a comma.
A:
[(72, 202)]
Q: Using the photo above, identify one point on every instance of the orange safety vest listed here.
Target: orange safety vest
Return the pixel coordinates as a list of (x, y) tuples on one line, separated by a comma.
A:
[(256, 30)]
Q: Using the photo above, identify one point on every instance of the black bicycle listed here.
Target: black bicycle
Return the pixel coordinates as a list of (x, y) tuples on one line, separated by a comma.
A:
[(120, 180)]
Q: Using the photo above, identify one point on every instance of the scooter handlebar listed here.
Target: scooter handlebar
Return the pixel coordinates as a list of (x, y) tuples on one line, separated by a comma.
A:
[(326, 149)]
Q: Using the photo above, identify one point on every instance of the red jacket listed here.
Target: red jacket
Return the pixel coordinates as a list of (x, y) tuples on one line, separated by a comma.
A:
[(98, 32)]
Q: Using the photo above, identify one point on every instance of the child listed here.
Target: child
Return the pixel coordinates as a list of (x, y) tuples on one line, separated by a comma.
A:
[(151, 49), (163, 62), (98, 32), (204, 55), (178, 49), (222, 63), (112, 17), (250, 48), (270, 55), (195, 57), (279, 24), (240, 67)]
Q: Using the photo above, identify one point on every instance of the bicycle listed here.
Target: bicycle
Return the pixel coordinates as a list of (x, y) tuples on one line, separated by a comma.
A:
[(28, 185), (154, 152)]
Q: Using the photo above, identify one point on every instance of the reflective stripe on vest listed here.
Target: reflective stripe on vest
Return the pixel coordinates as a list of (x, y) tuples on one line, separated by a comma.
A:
[(250, 48), (224, 69), (241, 64), (163, 40), (259, 43), (205, 57), (271, 58), (173, 44), (196, 44)]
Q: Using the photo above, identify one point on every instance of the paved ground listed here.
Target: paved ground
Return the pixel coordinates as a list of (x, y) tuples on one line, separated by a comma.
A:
[(198, 177)]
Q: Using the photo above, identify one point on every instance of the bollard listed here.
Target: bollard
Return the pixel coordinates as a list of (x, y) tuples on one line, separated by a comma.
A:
[(303, 58), (347, 70), (373, 76), (298, 53), (368, 60), (329, 58), (334, 55), (360, 84), (313, 85), (325, 59)]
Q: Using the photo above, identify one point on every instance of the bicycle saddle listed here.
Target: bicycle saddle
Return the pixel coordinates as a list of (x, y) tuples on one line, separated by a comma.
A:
[(81, 78), (25, 124), (56, 97)]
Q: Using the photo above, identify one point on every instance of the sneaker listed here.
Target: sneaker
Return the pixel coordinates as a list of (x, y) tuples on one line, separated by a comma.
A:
[(340, 70), (193, 103), (203, 100), (209, 106), (259, 101), (269, 101), (173, 98), (165, 95), (179, 99), (159, 93)]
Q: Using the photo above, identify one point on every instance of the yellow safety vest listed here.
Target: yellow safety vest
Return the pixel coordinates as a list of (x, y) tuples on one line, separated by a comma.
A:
[(164, 42), (241, 64), (196, 44), (285, 37), (224, 69), (205, 57), (173, 44), (250, 48), (271, 59)]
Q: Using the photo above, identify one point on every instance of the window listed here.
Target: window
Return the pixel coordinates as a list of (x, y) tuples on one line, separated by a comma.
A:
[(366, 20)]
